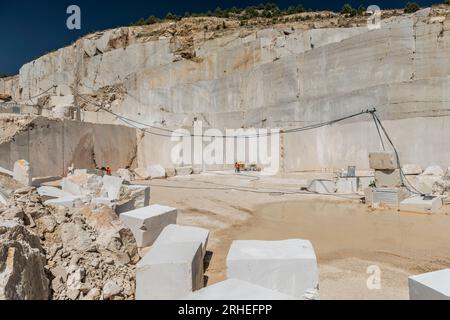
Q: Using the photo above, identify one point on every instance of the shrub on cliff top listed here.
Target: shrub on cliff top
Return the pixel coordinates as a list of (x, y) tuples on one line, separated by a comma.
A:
[(411, 7)]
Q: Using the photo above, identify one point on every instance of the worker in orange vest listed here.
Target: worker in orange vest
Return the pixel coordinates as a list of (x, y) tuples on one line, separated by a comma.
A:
[(237, 167), (108, 171)]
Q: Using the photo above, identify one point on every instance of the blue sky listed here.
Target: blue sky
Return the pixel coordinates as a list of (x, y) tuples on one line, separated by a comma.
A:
[(29, 28)]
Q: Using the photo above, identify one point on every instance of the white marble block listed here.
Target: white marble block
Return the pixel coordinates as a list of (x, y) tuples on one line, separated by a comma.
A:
[(156, 172), (170, 271), (421, 205), (147, 223), (388, 178), (287, 266), (322, 186), (430, 286), (47, 193), (235, 289), (175, 233), (183, 171)]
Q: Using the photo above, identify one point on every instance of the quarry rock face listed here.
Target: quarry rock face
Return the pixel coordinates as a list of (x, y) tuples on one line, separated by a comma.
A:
[(265, 77), (22, 261), (34, 138)]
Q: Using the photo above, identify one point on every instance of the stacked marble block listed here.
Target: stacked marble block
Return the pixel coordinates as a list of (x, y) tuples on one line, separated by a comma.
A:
[(267, 270), (430, 286), (389, 190), (173, 267)]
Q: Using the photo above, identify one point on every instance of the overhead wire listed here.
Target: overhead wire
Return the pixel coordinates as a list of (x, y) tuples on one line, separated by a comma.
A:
[(408, 185), (179, 134)]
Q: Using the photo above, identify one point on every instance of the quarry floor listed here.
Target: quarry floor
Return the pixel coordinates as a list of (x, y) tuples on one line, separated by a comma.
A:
[(349, 238)]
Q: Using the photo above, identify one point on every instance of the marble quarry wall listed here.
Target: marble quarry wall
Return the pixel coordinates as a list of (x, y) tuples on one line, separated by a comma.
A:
[(273, 78), (51, 146), (10, 86)]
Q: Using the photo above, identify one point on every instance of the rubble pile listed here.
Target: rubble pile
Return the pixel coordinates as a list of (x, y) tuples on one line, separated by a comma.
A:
[(11, 125), (22, 260), (86, 253)]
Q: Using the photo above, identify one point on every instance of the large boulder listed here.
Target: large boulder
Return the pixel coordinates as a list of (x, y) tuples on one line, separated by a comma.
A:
[(84, 184), (22, 172), (22, 274)]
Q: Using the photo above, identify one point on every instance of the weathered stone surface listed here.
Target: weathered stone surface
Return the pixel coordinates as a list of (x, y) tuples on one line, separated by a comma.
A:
[(85, 248), (174, 233), (111, 289), (170, 271), (288, 266), (22, 172), (22, 274), (141, 173), (139, 194), (74, 237), (183, 171), (61, 101), (442, 186), (382, 161), (84, 184), (388, 178), (430, 286)]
